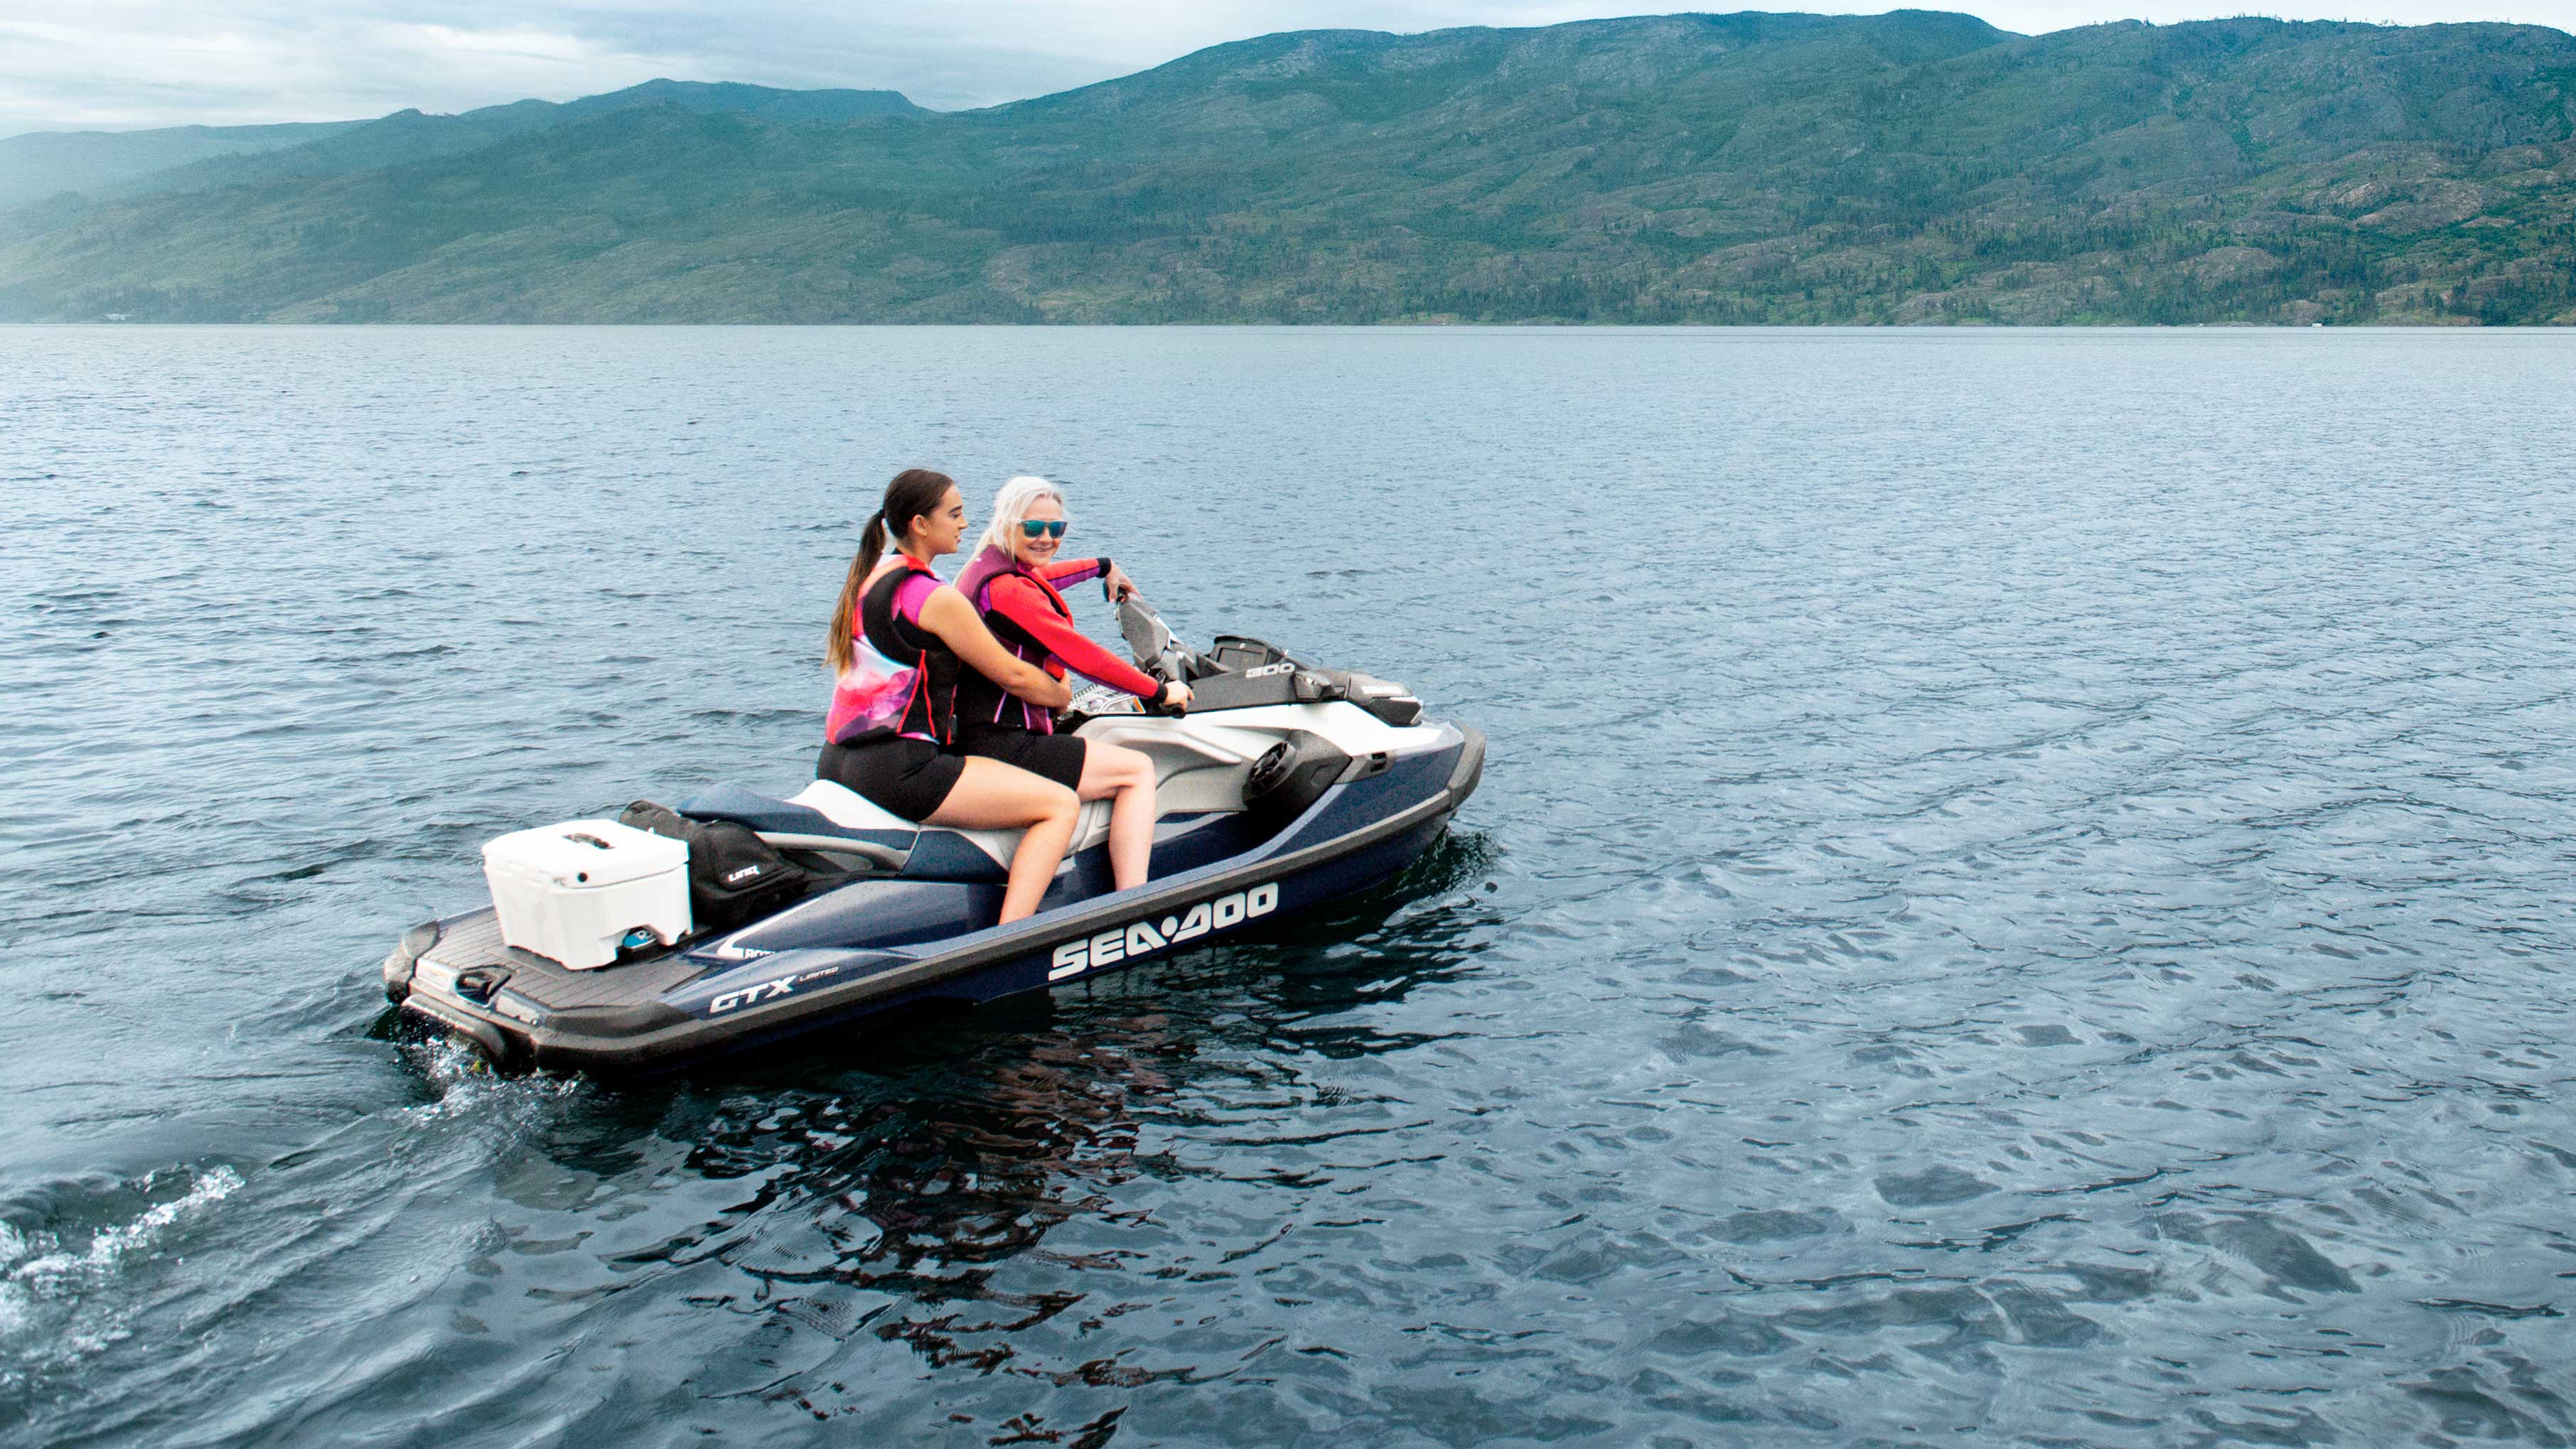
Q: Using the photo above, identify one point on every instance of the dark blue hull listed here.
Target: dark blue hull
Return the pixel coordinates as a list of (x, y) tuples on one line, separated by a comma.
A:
[(869, 949), (1035, 970)]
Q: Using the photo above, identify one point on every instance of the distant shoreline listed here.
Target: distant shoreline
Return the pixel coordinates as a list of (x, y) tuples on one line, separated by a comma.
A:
[(1872, 328)]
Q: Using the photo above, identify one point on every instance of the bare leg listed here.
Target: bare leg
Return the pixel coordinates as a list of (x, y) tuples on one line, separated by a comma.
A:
[(1128, 775), (990, 795)]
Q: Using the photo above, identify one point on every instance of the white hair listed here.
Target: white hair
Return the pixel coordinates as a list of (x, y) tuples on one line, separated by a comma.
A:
[(1012, 504)]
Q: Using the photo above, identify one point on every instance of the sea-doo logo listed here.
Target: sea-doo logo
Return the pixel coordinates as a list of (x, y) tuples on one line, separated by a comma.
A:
[(1125, 943), (765, 991)]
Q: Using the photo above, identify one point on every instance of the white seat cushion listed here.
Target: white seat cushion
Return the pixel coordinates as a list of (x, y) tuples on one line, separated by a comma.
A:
[(851, 810), (848, 808)]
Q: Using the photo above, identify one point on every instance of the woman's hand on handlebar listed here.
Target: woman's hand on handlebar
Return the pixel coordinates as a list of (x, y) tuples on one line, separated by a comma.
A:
[(1176, 697), (1118, 584)]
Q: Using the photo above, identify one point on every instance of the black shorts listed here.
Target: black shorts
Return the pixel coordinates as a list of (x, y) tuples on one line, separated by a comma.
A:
[(910, 777), (1053, 757)]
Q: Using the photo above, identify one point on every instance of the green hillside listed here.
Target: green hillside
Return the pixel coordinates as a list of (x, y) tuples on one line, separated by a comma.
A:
[(124, 164), (1913, 167), (46, 163)]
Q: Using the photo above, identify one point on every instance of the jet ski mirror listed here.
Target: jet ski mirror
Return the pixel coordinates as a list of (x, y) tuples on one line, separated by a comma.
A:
[(1150, 640), (1147, 635)]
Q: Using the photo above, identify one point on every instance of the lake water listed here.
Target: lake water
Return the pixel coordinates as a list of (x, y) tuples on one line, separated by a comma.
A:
[(2021, 894)]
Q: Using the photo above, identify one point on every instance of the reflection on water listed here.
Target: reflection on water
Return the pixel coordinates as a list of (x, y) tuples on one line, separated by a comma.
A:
[(888, 1201)]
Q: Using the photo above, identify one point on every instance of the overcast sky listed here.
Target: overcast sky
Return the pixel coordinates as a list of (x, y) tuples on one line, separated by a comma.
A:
[(120, 64)]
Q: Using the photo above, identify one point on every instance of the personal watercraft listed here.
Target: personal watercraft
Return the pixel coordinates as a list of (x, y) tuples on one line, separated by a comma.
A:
[(1284, 786)]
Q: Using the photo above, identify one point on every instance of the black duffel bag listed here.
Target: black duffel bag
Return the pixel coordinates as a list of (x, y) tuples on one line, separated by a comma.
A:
[(734, 875)]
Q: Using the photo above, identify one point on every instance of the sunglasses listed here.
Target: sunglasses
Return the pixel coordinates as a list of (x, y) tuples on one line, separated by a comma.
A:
[(1050, 527)]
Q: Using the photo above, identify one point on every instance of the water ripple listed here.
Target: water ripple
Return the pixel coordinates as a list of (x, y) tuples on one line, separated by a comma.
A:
[(2018, 897)]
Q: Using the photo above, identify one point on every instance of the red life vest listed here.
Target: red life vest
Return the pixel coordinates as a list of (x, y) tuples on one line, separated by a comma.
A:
[(979, 701)]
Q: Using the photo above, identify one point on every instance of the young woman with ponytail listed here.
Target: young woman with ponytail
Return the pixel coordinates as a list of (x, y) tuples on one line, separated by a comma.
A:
[(899, 636)]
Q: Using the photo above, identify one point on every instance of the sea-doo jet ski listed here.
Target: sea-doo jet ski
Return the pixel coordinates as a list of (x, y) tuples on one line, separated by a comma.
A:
[(1285, 785)]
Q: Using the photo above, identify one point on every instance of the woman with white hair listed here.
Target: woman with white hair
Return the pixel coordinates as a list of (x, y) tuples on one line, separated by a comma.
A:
[(1013, 581)]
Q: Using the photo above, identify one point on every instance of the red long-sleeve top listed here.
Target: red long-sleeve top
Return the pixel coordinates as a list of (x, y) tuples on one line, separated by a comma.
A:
[(1037, 608)]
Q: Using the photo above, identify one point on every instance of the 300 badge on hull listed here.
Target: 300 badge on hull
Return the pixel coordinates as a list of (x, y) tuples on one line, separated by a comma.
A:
[(1136, 938)]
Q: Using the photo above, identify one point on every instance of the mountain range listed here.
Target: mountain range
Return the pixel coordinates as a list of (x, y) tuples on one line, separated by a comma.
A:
[(111, 164), (1908, 167)]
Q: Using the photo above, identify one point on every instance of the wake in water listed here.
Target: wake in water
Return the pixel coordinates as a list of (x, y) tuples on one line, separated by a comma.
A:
[(468, 1088), (57, 1301)]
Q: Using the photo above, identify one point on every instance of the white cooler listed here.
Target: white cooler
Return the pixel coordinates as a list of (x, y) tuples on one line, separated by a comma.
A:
[(571, 892)]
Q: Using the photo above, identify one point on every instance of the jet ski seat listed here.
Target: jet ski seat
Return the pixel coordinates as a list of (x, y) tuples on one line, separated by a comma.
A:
[(849, 817), (823, 812)]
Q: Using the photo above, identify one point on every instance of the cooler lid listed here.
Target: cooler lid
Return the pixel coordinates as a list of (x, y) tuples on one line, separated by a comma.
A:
[(586, 854)]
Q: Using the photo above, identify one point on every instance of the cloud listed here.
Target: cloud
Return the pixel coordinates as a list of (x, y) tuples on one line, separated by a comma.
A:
[(121, 63), (113, 64)]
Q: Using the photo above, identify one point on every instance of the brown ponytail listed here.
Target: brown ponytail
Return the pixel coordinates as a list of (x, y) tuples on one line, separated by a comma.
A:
[(914, 492)]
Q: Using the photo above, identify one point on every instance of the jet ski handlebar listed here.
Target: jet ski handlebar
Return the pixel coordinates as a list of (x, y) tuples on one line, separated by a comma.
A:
[(1165, 658)]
